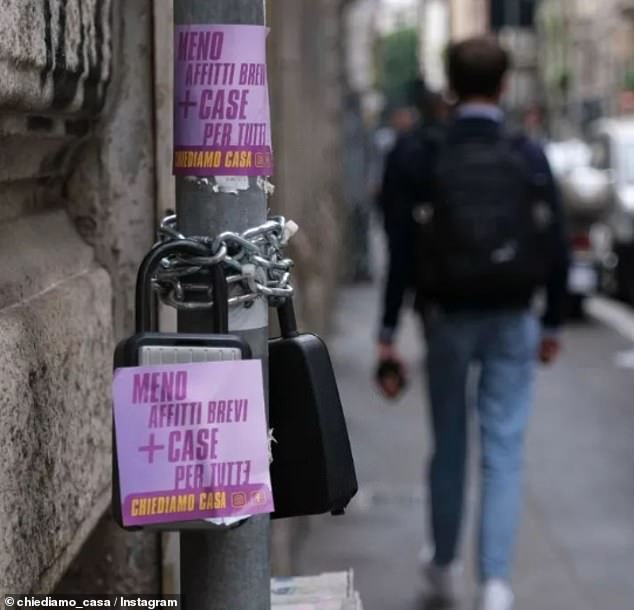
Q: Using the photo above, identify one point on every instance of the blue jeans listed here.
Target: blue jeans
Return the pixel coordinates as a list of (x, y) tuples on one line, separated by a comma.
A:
[(504, 345)]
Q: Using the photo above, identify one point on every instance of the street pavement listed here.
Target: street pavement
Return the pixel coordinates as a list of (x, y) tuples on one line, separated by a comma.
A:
[(576, 546)]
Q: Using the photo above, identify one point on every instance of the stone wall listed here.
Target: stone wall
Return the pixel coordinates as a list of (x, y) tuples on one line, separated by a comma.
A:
[(306, 66), (76, 213), (78, 184)]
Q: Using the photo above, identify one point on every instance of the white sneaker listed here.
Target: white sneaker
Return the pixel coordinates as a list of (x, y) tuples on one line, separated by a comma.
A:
[(443, 581), (495, 595)]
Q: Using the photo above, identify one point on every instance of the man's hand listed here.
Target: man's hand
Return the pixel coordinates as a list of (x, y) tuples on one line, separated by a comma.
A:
[(387, 351), (549, 350), (391, 373)]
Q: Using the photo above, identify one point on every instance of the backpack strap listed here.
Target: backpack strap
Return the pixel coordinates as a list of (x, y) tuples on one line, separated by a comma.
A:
[(520, 141), (434, 139)]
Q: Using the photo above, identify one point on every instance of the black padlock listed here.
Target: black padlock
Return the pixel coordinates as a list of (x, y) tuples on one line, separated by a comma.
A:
[(312, 471), (149, 347)]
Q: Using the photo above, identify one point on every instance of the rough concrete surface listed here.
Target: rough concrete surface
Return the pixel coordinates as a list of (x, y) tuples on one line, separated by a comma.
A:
[(114, 561), (54, 54), (55, 358), (37, 252), (112, 188), (23, 158), (76, 157), (24, 198), (306, 87)]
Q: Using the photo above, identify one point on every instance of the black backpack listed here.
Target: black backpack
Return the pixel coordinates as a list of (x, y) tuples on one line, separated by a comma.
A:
[(485, 233)]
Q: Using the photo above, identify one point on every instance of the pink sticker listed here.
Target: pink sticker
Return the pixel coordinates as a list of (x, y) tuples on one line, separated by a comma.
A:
[(222, 123), (192, 442)]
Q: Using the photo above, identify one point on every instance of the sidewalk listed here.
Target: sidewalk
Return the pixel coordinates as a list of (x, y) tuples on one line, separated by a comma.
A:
[(558, 567)]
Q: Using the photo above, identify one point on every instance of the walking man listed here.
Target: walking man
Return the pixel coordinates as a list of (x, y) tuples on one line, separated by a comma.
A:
[(476, 229)]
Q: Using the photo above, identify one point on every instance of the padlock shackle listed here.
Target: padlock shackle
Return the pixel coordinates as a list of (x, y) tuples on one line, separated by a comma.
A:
[(287, 319), (145, 317), (220, 310)]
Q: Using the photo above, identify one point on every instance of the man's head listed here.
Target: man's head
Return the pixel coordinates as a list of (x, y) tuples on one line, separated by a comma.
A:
[(476, 68)]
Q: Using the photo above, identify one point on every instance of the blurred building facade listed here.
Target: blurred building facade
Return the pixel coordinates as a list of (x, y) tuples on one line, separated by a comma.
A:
[(573, 59), (435, 32), (586, 58), (394, 15), (307, 91), (468, 18), (442, 21)]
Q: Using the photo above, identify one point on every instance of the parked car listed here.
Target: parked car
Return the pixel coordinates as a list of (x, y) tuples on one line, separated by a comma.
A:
[(612, 153), (586, 195)]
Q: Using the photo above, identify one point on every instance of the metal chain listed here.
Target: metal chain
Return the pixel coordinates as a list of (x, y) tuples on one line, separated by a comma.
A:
[(253, 260)]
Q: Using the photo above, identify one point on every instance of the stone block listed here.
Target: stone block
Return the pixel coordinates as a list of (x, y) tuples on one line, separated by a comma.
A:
[(54, 55), (37, 252), (113, 559), (55, 430), (65, 154), (112, 187), (55, 370)]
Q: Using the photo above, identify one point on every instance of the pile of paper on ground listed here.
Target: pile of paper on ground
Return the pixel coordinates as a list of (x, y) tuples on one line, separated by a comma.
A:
[(333, 591)]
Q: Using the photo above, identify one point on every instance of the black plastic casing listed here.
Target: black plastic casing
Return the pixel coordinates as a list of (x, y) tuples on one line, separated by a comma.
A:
[(313, 469)]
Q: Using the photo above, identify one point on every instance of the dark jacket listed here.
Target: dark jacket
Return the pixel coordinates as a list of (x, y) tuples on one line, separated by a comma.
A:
[(406, 183)]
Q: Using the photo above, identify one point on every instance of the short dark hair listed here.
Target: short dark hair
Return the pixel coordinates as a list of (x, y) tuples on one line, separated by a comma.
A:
[(476, 67)]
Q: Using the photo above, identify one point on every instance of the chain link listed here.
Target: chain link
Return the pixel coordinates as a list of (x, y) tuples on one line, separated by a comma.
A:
[(253, 260)]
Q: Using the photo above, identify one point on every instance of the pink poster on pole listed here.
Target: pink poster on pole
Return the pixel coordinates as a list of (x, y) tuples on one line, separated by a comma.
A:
[(192, 442), (222, 121)]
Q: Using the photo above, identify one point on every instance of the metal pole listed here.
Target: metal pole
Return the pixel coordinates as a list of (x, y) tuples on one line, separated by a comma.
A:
[(224, 570)]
